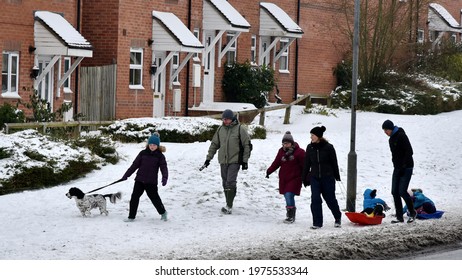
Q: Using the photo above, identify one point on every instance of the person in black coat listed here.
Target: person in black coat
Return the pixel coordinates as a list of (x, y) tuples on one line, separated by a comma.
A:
[(321, 171), (148, 162), (403, 165)]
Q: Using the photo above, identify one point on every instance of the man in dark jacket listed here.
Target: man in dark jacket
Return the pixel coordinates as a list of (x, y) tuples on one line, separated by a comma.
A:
[(232, 142), (403, 164)]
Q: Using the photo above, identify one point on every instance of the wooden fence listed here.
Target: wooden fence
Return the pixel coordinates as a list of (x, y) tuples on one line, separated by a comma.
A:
[(77, 126), (98, 92)]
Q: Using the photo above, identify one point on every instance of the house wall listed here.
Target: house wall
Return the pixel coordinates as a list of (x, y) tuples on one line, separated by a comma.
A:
[(17, 34)]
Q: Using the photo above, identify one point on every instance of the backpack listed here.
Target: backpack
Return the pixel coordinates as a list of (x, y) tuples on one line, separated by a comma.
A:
[(241, 147)]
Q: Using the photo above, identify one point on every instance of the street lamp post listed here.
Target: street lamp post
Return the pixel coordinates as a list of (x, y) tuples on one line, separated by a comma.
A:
[(352, 157)]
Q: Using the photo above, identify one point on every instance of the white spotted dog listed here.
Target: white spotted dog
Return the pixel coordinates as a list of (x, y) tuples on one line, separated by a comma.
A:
[(87, 202)]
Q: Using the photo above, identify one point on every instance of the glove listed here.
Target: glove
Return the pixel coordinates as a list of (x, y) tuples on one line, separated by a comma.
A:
[(207, 163), (267, 175), (386, 207), (244, 166), (306, 183), (123, 178), (164, 181)]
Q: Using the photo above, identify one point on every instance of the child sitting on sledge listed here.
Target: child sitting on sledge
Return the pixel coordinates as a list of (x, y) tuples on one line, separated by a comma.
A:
[(372, 205), (422, 204)]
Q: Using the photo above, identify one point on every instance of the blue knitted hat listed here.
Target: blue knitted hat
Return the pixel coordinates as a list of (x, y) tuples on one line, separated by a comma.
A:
[(154, 139)]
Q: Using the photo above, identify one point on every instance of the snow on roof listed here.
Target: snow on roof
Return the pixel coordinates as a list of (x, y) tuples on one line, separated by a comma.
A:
[(445, 15), (230, 13), (63, 29), (177, 28), (282, 17)]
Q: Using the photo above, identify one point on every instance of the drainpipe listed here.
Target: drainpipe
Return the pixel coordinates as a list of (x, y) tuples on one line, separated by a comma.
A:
[(76, 87), (188, 65), (296, 54)]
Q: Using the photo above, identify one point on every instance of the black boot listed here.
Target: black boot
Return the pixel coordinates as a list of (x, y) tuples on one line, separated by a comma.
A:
[(290, 215)]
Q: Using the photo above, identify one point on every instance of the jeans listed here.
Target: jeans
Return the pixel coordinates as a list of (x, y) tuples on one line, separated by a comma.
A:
[(399, 186), (290, 199), (324, 187)]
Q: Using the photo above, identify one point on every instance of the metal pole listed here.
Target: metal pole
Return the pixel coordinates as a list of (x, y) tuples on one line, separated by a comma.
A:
[(352, 157)]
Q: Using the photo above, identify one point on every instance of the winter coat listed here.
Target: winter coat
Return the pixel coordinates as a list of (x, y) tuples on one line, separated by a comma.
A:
[(290, 172), (148, 164), (371, 202), (401, 149), (226, 142), (419, 199), (321, 160)]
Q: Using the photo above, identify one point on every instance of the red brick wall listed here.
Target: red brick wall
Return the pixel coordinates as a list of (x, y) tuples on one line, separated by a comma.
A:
[(17, 34)]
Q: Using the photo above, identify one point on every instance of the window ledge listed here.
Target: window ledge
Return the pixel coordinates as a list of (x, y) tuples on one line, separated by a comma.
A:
[(67, 90), (196, 59), (135, 87), (11, 95), (284, 71), (176, 83)]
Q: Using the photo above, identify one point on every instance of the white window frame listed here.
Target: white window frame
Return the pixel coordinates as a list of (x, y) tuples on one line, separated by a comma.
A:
[(253, 50), (174, 63), (196, 33), (284, 59), (420, 36), (67, 82), (231, 53), (10, 93), (138, 67)]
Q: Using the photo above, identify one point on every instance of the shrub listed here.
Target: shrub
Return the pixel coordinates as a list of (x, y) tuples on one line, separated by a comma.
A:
[(10, 114), (245, 83)]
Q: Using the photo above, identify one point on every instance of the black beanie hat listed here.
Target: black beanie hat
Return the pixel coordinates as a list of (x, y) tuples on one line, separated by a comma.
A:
[(318, 131), (288, 138), (388, 125), (227, 114)]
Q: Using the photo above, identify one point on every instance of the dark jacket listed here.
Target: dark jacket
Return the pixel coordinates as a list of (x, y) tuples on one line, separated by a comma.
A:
[(226, 142), (401, 149), (290, 173), (148, 164), (321, 160)]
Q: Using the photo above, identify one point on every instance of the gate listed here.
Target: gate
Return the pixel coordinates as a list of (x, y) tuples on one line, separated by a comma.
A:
[(98, 92)]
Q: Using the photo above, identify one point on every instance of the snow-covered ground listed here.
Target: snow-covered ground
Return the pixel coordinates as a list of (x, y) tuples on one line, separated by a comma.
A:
[(46, 225)]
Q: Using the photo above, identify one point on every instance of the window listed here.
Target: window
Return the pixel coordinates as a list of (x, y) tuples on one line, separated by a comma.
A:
[(174, 65), (253, 50), (196, 34), (136, 68), (284, 59), (453, 38), (420, 36), (434, 35), (231, 54), (10, 74), (67, 82)]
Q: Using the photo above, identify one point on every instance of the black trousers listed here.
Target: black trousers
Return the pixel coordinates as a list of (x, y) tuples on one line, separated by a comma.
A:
[(151, 191)]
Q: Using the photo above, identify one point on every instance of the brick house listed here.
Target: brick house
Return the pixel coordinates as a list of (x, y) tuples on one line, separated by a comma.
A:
[(144, 58)]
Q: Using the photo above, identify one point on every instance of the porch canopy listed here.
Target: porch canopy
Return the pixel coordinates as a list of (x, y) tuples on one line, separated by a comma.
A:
[(171, 35), (221, 16), (276, 24), (54, 36)]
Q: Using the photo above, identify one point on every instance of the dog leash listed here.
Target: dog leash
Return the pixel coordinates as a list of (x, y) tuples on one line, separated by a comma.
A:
[(120, 180)]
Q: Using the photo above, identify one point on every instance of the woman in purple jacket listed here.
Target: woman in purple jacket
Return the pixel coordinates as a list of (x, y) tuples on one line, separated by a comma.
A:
[(290, 159), (148, 162)]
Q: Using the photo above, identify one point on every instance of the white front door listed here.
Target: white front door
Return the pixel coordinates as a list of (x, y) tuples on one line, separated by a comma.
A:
[(159, 88), (209, 68), (45, 86)]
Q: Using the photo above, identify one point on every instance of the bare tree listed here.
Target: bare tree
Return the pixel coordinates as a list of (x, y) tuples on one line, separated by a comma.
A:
[(387, 27)]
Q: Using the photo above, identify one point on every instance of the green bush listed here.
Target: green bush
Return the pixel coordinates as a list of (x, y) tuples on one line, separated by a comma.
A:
[(5, 153), (99, 146), (243, 82), (40, 177), (10, 114)]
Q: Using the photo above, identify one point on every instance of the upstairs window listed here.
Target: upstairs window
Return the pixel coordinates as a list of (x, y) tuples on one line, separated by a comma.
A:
[(253, 50)]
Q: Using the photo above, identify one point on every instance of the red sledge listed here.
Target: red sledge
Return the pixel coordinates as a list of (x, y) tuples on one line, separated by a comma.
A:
[(363, 219)]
